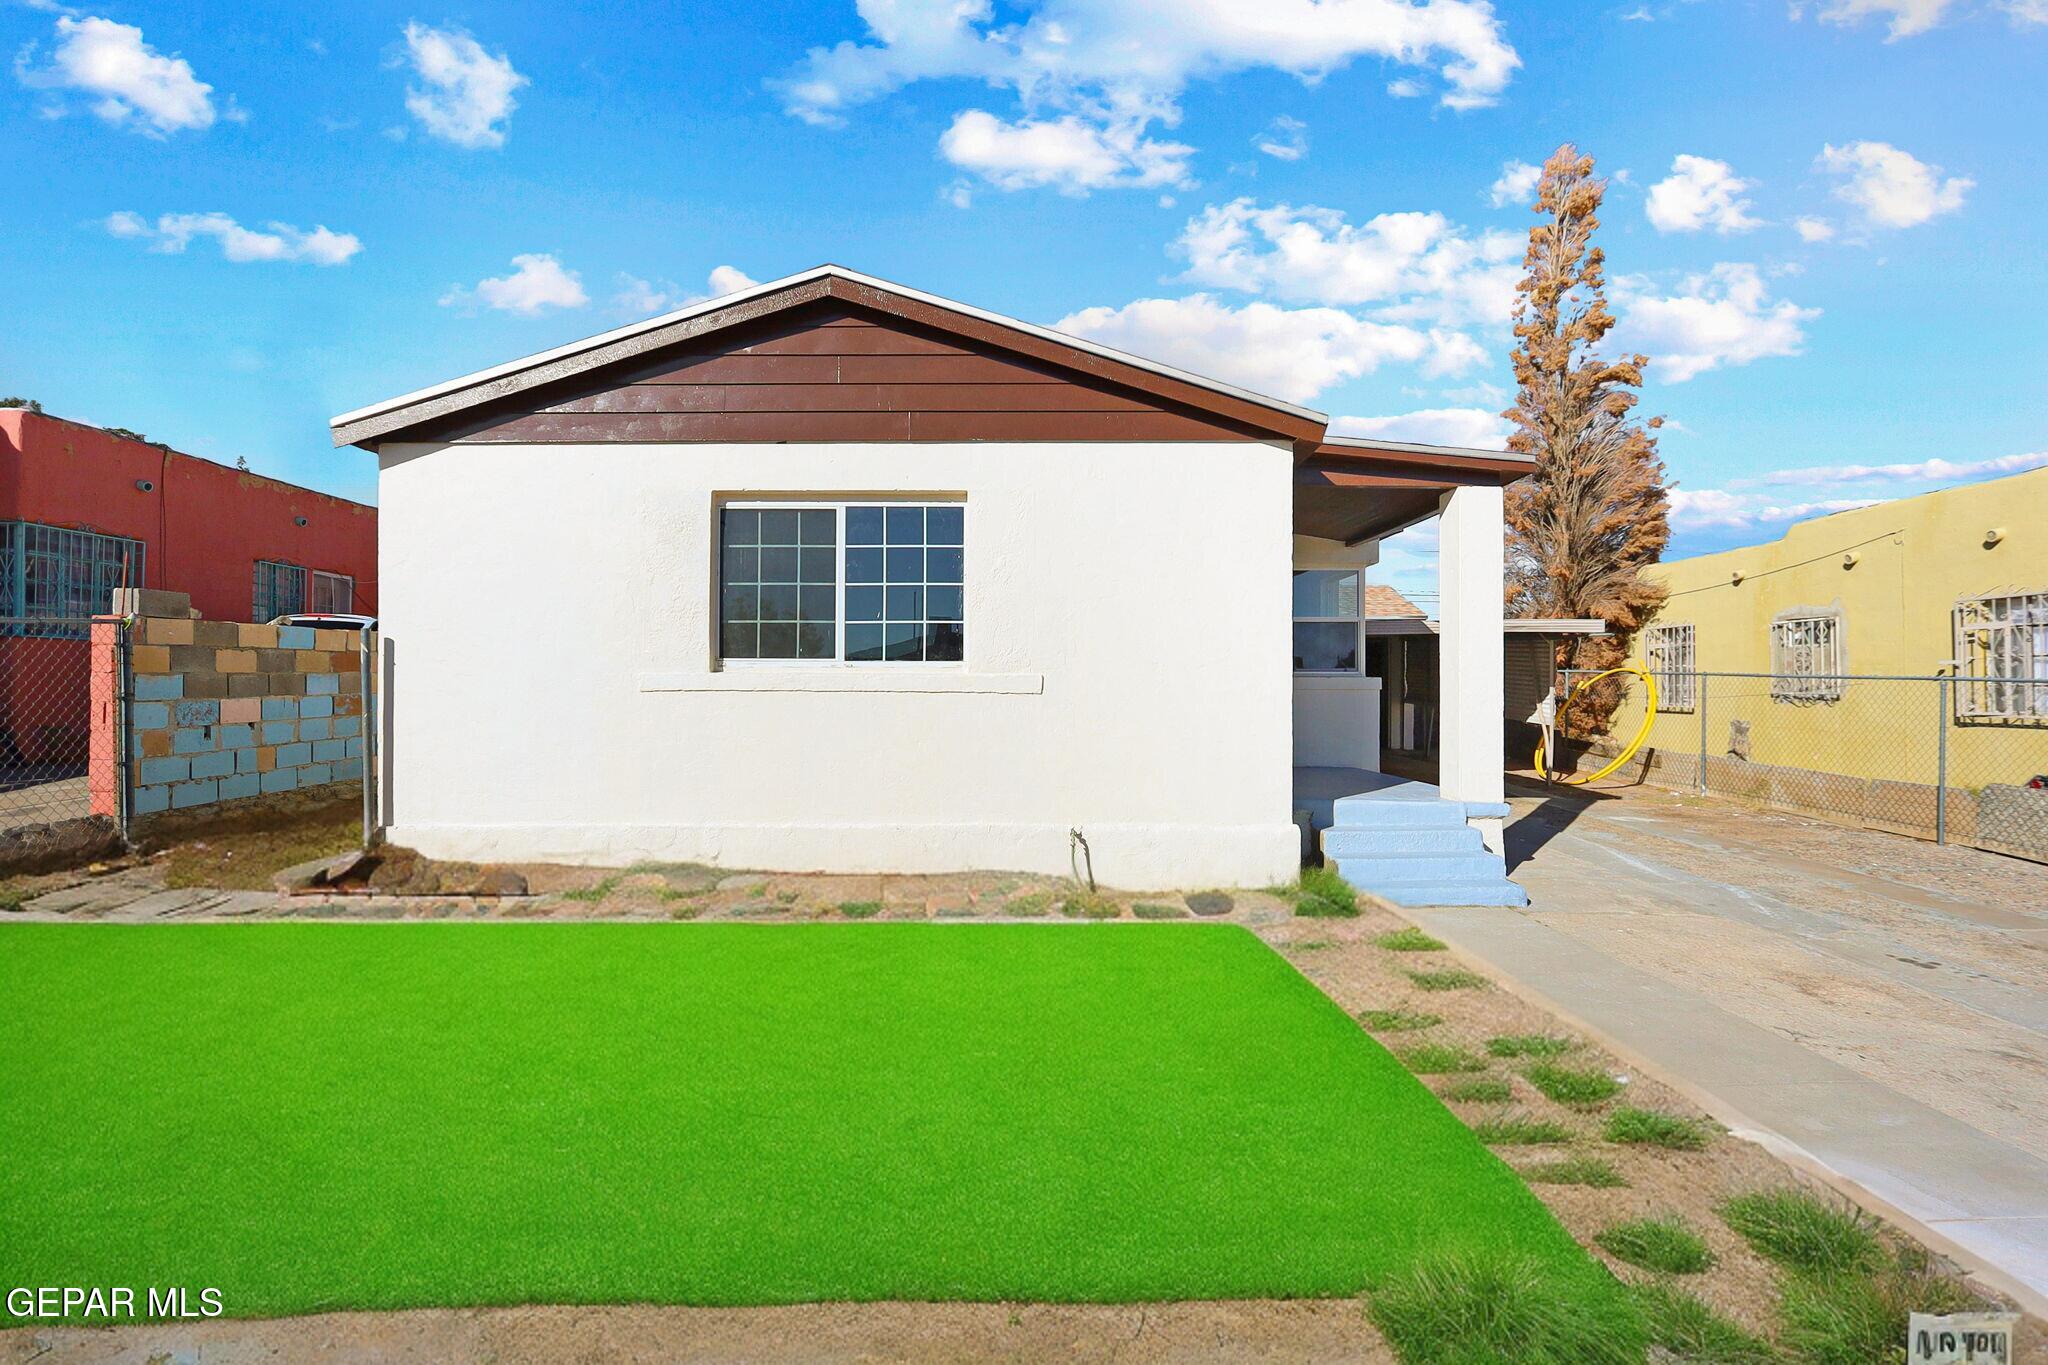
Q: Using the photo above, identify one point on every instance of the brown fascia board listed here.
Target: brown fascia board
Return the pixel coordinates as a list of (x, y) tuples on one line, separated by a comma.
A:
[(1410, 462), (1287, 422)]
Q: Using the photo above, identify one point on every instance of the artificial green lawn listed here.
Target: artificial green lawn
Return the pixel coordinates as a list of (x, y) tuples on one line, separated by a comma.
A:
[(315, 1116)]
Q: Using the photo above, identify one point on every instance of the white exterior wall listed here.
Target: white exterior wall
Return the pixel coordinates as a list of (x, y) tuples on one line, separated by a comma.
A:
[(1471, 652), (1337, 716), (549, 615)]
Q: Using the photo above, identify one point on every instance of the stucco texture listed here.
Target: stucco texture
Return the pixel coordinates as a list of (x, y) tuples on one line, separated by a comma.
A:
[(549, 619)]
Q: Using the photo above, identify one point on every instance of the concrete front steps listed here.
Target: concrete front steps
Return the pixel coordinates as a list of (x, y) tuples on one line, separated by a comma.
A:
[(1404, 843)]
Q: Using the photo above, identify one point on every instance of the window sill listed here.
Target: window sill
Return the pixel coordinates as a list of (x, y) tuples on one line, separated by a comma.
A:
[(844, 680)]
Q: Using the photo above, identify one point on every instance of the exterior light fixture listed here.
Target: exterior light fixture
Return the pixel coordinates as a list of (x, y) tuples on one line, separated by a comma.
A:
[(1851, 559), (144, 486), (298, 521), (1735, 579), (1993, 536)]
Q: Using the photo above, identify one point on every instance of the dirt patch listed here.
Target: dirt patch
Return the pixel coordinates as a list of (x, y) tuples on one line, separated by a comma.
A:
[(245, 851)]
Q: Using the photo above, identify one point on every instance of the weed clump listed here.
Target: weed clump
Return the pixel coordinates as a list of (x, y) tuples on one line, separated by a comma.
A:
[(1652, 1128), (1665, 1245)]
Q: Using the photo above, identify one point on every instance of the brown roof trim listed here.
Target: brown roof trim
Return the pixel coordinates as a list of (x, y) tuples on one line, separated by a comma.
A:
[(1408, 463)]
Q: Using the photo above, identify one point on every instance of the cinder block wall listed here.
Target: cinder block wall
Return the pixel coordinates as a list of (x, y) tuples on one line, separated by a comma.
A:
[(222, 711)]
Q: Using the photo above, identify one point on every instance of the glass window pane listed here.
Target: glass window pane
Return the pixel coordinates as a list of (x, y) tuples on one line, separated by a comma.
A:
[(863, 566), (778, 603), (906, 566), (906, 525), (863, 526), (942, 525), (815, 604), (816, 564), (903, 640), (943, 642), (906, 604), (943, 565), (778, 641), (742, 526), (819, 526), (864, 643), (1326, 592), (741, 603), (778, 528), (942, 604), (814, 640), (737, 640), (742, 564), (1325, 647), (778, 565), (863, 604)]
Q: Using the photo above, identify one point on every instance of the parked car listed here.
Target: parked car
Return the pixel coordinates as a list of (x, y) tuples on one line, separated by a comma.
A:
[(325, 620)]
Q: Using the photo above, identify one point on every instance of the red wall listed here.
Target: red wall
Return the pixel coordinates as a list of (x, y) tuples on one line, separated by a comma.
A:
[(205, 524)]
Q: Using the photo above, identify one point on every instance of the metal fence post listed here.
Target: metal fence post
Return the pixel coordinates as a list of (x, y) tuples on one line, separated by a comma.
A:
[(1941, 763), (1700, 699), (366, 662), (124, 729)]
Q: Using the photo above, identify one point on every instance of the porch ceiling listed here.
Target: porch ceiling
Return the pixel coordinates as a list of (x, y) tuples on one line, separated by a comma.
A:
[(1352, 490)]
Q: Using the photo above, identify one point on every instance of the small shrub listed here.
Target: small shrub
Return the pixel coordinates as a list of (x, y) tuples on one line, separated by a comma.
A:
[(1803, 1231), (1665, 1245), (1530, 1045), (1315, 907), (1852, 1317), (1409, 940), (1324, 885), (1486, 1090), (1451, 979), (1146, 910), (1032, 906), (1440, 1059), (1651, 1128), (1210, 902), (1589, 1171), (11, 902), (1518, 1131), (1465, 1310), (1575, 1086), (1692, 1332), (591, 895), (860, 909), (1089, 905), (1398, 1021)]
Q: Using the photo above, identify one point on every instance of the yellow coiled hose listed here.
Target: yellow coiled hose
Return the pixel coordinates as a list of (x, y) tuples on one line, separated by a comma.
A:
[(1642, 732)]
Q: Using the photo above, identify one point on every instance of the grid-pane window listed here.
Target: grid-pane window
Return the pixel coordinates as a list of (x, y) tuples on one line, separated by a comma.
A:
[(778, 591), (1806, 657), (904, 580), (1326, 605), (51, 573), (2002, 657), (279, 590), (1668, 652), (333, 593)]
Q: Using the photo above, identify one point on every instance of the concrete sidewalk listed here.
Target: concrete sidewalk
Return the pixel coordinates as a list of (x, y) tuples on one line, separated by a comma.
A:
[(1874, 1011)]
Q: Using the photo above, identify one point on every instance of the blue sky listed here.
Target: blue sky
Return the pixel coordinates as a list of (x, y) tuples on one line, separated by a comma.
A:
[(229, 223)]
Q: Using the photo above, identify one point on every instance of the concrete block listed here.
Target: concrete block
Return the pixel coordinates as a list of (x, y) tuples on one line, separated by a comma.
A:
[(294, 755), (194, 794), (243, 784), (328, 750), (280, 708), (217, 634), (193, 739), (287, 684), (274, 660), (153, 743), (322, 684), (266, 757), (150, 800), (241, 711), (154, 770), (345, 661), (163, 630), (348, 704), (279, 731), (150, 659), (150, 602), (159, 686), (197, 712), (355, 747), (349, 770), (281, 780), (246, 761), (237, 736), (149, 715), (192, 658), (295, 637), (317, 706), (207, 684), (315, 774), (319, 727), (248, 685), (311, 661), (351, 681), (234, 660), (218, 763), (344, 726), (331, 640), (256, 637)]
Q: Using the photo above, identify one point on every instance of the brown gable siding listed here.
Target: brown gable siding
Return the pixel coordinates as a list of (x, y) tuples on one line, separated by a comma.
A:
[(830, 372)]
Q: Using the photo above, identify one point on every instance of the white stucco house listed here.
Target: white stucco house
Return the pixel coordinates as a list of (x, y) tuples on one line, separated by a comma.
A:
[(832, 574)]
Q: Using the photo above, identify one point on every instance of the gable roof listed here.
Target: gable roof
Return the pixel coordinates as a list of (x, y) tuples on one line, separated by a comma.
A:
[(1383, 601), (1274, 416)]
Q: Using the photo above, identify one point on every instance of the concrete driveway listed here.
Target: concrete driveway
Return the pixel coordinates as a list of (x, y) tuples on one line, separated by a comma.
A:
[(1873, 1006)]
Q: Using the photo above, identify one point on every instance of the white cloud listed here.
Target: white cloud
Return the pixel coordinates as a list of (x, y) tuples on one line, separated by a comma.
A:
[(638, 298), (468, 93), (1724, 317), (1904, 17), (537, 283), (1291, 353), (1517, 182), (1287, 138), (2025, 12), (959, 193), (1891, 188), (1813, 229), (1935, 470), (1405, 89), (1701, 193), (728, 279), (1416, 266), (173, 232), (1477, 428), (128, 82), (1706, 508), (1069, 153)]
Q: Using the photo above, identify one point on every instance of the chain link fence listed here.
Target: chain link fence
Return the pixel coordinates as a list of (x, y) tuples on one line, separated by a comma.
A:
[(52, 811), (1953, 759)]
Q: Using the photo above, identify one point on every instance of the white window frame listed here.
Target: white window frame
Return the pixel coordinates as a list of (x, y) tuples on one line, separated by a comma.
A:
[(314, 581), (1356, 620), (1668, 650), (1814, 639), (841, 507), (2001, 657)]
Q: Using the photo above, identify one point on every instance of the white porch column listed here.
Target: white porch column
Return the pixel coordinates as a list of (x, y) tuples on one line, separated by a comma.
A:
[(1471, 549)]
